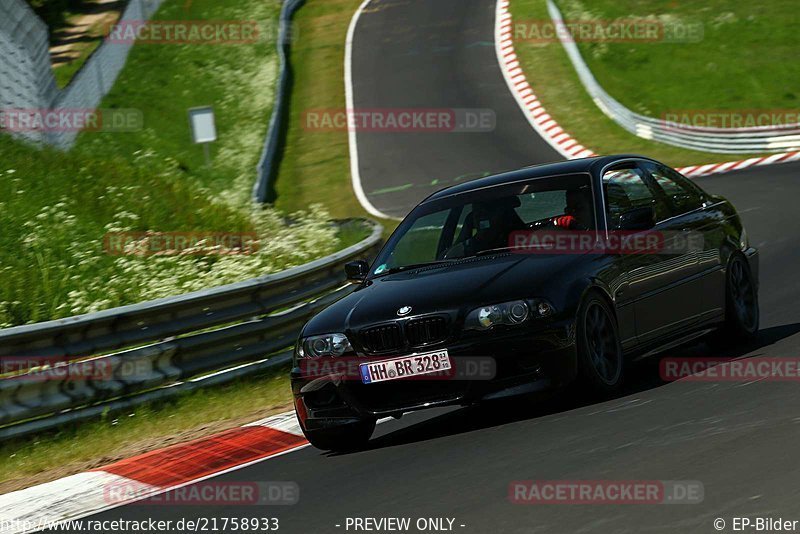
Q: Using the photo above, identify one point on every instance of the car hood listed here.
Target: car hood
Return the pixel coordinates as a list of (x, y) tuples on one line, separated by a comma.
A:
[(451, 287)]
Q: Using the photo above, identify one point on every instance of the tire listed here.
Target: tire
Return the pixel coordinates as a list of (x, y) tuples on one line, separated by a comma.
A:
[(741, 303), (600, 359), (345, 438)]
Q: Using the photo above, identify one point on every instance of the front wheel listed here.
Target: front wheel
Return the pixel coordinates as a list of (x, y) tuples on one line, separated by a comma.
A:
[(600, 358), (349, 437)]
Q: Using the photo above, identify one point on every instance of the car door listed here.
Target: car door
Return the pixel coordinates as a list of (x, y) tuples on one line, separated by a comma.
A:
[(658, 280), (700, 220)]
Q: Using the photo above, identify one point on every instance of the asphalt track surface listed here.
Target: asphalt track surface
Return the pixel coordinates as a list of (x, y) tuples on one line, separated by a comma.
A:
[(738, 439), (434, 55)]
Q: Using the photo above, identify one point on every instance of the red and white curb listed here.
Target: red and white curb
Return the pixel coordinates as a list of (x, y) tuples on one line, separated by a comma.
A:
[(716, 168), (549, 129), (151, 474), (517, 82)]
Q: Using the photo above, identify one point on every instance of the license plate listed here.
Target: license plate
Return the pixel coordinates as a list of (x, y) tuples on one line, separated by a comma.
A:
[(415, 365)]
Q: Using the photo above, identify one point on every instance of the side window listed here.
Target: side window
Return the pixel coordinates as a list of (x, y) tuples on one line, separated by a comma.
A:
[(625, 189), (681, 194)]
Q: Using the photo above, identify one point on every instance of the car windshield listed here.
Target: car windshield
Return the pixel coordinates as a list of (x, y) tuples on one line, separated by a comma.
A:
[(480, 222)]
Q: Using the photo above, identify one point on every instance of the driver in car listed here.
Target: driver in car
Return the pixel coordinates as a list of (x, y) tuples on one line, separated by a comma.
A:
[(578, 211)]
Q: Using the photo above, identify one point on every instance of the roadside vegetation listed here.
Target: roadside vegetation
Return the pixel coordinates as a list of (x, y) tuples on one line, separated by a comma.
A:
[(553, 78), (56, 208)]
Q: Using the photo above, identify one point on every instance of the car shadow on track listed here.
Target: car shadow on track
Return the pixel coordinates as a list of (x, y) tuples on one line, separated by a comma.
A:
[(641, 376)]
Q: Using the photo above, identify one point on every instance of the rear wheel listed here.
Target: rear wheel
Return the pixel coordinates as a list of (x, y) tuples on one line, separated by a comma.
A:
[(350, 437), (600, 359), (741, 302)]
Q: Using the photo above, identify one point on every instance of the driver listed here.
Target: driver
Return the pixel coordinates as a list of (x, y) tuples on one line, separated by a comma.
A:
[(578, 211)]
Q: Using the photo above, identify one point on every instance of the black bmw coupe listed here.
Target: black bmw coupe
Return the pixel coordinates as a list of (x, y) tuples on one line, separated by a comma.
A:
[(524, 281)]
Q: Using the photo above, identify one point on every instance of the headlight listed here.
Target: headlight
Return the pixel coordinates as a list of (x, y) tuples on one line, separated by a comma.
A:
[(325, 345), (507, 313), (744, 243)]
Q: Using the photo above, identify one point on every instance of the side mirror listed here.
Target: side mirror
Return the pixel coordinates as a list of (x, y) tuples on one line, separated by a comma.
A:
[(642, 218), (356, 271)]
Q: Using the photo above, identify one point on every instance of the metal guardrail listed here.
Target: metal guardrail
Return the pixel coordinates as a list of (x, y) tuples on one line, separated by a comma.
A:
[(156, 349), (722, 140), (263, 190)]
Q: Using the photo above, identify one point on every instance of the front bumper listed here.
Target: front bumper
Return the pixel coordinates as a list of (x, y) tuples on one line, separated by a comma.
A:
[(523, 360)]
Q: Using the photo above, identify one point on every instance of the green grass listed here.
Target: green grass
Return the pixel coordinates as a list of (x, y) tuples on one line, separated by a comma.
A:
[(746, 59), (166, 80), (66, 71), (315, 168), (555, 82), (74, 449)]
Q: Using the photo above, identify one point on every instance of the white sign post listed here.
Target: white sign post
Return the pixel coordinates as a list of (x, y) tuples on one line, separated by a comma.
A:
[(204, 128)]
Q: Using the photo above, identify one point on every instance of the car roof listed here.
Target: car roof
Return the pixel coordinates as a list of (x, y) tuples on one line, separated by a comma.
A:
[(573, 166)]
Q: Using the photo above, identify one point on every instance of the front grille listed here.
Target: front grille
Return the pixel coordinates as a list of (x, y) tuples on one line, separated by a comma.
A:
[(400, 336), (382, 338), (426, 331)]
